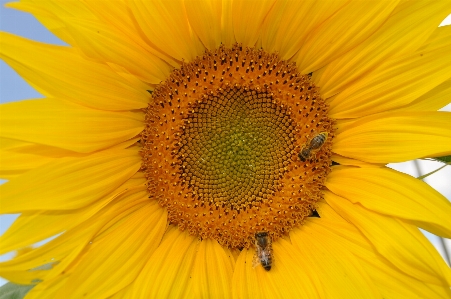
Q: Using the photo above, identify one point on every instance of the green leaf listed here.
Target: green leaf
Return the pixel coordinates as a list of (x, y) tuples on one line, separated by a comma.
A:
[(444, 159), (14, 291)]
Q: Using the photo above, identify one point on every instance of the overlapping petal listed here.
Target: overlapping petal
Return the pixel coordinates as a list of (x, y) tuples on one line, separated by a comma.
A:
[(47, 289), (90, 35), (407, 28), (61, 72), (56, 254), (250, 280), (124, 253), (212, 258), (389, 192), (284, 32), (341, 275), (245, 281), (18, 157), (166, 28), (52, 14), (400, 243), (246, 25), (33, 226), (395, 137), (13, 153), (433, 100), (69, 183), (109, 16), (215, 13), (63, 250), (167, 272), (103, 43), (334, 36), (332, 226), (398, 82), (66, 125)]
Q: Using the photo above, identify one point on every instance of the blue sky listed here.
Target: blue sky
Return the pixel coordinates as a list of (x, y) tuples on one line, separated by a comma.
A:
[(13, 88)]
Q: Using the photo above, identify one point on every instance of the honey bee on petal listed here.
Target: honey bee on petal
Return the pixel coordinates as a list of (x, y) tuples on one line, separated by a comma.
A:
[(312, 146), (264, 251)]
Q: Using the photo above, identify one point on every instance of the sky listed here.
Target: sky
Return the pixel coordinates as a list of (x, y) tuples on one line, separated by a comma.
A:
[(13, 88)]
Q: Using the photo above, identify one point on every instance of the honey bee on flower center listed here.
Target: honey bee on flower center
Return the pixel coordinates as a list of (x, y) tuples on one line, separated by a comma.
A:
[(313, 146)]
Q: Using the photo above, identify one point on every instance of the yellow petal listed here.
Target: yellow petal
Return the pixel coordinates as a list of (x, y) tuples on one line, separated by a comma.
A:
[(104, 43), (99, 39), (13, 164), (24, 156), (114, 261), (248, 17), (64, 249), (212, 271), (37, 226), (250, 280), (400, 243), (393, 193), (433, 100), (167, 272), (166, 27), (46, 289), (337, 35), (227, 34), (245, 282), (62, 72), (52, 13), (289, 23), (212, 22), (22, 147), (7, 144), (395, 137), (289, 268), (400, 285), (125, 293), (69, 183), (66, 125), (110, 14), (341, 274), (408, 27), (201, 13), (332, 226), (31, 227), (399, 81)]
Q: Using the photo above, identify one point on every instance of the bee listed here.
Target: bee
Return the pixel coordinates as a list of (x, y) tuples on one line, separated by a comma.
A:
[(313, 146), (264, 250)]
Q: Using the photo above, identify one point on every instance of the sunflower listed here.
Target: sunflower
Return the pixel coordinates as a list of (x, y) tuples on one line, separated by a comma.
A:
[(227, 149)]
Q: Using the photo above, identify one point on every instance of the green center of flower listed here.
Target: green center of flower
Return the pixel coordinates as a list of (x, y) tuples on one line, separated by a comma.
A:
[(237, 142)]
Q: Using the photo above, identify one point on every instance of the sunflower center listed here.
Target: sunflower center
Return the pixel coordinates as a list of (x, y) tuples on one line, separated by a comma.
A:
[(234, 148), (236, 142)]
